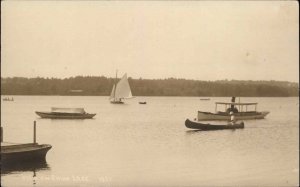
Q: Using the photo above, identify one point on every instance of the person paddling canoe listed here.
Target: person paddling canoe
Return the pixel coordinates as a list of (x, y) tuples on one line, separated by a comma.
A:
[(232, 118)]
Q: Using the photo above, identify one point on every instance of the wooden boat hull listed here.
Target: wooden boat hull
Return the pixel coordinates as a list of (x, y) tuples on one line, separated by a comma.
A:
[(116, 102), (24, 152), (53, 115), (142, 103), (203, 126), (202, 116)]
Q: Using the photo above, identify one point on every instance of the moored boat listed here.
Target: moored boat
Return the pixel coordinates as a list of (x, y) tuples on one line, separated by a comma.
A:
[(204, 99), (14, 153), (143, 103), (241, 111), (8, 99), (66, 113), (24, 152), (207, 126)]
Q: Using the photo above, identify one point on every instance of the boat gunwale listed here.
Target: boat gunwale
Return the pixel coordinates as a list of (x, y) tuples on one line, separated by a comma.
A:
[(14, 149), (233, 103)]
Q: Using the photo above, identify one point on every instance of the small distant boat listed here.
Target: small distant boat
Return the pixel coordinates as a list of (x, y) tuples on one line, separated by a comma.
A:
[(204, 99), (66, 113), (240, 114), (143, 103), (120, 91), (8, 99), (207, 126)]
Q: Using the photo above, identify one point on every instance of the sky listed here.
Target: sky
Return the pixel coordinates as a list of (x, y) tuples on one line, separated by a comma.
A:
[(200, 40)]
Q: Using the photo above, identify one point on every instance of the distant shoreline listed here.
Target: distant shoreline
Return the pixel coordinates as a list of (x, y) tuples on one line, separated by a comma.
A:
[(152, 96), (101, 86)]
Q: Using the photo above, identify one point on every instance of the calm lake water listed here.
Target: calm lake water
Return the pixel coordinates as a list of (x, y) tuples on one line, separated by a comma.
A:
[(135, 144)]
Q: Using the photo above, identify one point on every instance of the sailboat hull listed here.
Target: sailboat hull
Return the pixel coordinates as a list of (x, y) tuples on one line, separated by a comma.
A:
[(116, 102)]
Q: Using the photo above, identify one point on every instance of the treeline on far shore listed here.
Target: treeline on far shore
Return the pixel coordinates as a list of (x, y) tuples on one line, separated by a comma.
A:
[(102, 86)]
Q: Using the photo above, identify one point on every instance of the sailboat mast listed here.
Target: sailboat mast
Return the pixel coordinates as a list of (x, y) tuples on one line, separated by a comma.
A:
[(115, 86)]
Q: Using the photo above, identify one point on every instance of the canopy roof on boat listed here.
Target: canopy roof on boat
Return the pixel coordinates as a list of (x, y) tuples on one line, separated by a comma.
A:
[(230, 103), (68, 110)]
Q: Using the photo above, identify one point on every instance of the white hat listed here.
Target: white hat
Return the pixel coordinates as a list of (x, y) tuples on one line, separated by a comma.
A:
[(231, 113)]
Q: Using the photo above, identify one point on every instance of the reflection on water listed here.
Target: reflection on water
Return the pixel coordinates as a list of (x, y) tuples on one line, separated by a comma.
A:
[(24, 166), (189, 132)]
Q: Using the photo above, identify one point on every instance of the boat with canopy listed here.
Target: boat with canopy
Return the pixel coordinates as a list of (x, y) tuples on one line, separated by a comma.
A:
[(242, 111), (65, 113)]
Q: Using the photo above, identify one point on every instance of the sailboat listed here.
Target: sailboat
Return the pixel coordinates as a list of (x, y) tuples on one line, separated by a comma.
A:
[(121, 90)]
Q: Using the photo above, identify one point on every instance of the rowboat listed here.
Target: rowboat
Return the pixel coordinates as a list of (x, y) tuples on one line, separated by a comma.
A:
[(143, 103), (65, 113), (8, 99), (204, 99), (241, 111), (207, 126)]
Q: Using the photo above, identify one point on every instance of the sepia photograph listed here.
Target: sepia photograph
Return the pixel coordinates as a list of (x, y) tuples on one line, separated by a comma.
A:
[(149, 93)]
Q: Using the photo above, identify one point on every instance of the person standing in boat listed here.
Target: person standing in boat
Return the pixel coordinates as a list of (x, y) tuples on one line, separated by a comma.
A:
[(232, 118)]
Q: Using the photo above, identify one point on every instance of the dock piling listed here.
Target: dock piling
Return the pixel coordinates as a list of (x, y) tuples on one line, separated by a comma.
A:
[(34, 131), (1, 134)]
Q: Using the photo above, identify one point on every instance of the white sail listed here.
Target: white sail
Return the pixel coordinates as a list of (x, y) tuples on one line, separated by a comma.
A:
[(122, 89), (112, 92)]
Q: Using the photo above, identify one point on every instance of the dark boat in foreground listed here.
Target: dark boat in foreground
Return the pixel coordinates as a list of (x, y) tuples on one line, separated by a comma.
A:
[(23, 152), (14, 155), (66, 113), (206, 126), (143, 103)]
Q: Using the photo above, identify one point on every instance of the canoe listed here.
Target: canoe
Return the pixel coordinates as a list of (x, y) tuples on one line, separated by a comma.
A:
[(143, 103), (57, 115), (207, 126)]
